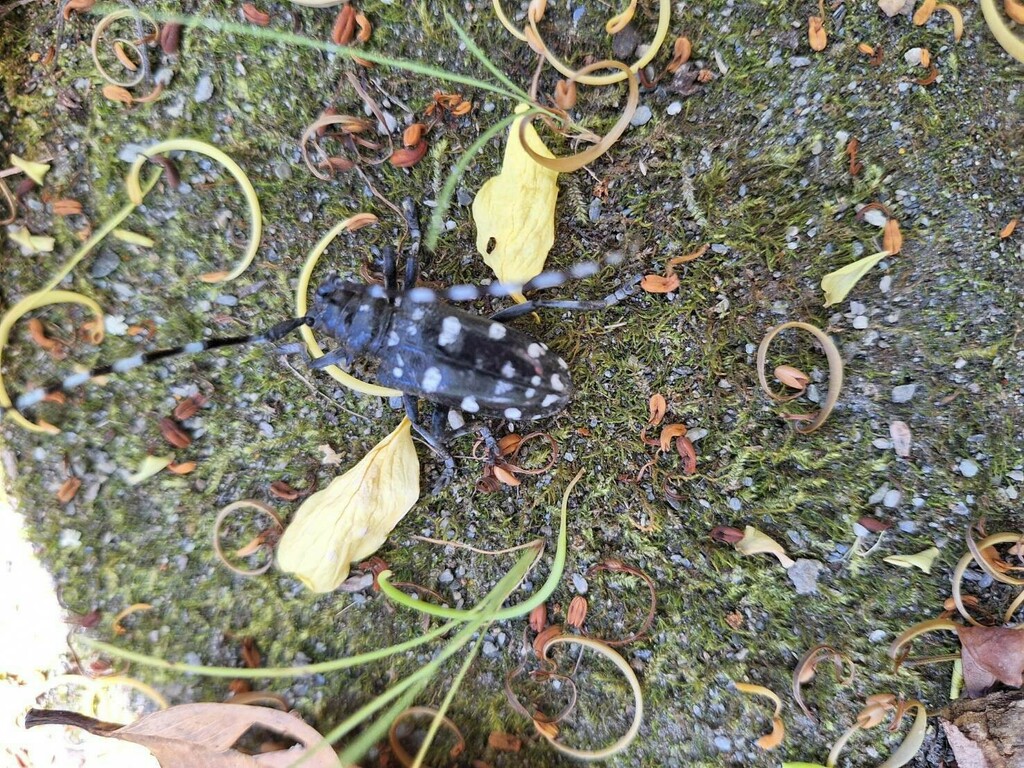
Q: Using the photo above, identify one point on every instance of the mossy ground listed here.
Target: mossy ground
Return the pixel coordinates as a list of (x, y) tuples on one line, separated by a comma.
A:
[(751, 164)]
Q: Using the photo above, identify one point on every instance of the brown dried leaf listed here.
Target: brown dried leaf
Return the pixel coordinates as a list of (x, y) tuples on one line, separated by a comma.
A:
[(505, 476), (117, 93), (852, 146), (688, 453), (1008, 230), (170, 38), (462, 108), (344, 28), (990, 655), (876, 60), (189, 407), (504, 742), (365, 28), (892, 238), (792, 377), (577, 612), (67, 207), (202, 735), (408, 156), (1015, 10), (174, 434), (659, 284), (675, 261), (68, 490), (816, 35), (657, 408), (681, 52), (873, 524), (669, 433), (931, 77), (726, 534), (250, 654), (543, 637), (279, 489), (255, 16), (411, 136), (539, 617)]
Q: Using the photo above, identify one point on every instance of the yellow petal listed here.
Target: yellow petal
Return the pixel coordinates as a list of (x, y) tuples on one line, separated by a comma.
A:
[(35, 171), (754, 542), (32, 243), (149, 467), (773, 739), (133, 238), (839, 283), (922, 560), (350, 518), (515, 211)]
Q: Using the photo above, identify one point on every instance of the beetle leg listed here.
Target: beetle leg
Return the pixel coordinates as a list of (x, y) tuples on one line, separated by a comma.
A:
[(412, 256), (390, 267), (432, 440), (339, 357)]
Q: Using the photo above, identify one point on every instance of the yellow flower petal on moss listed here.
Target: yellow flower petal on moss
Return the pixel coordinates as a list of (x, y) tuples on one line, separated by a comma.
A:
[(778, 733), (839, 283), (149, 467), (350, 518), (754, 542), (35, 171), (31, 243), (922, 560), (515, 210)]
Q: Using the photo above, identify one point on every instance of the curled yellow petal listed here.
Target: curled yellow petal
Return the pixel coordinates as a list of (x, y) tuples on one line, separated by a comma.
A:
[(515, 210), (30, 243), (1005, 35), (617, 23), (35, 171), (755, 542), (149, 467), (133, 238), (839, 283), (922, 560), (773, 739), (350, 518)]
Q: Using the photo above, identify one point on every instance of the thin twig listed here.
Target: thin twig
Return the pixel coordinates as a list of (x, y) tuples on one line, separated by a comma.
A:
[(318, 393)]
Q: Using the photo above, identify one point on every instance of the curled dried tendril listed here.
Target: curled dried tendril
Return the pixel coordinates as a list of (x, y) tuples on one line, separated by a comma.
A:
[(778, 732), (805, 670), (978, 554), (349, 132), (245, 551), (541, 676), (128, 51), (835, 373), (20, 309), (617, 566), (302, 307), (399, 752)]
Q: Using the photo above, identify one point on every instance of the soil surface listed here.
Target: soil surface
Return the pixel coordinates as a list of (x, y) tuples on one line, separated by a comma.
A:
[(743, 150)]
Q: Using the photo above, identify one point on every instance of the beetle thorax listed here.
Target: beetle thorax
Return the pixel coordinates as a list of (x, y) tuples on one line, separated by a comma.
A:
[(347, 311)]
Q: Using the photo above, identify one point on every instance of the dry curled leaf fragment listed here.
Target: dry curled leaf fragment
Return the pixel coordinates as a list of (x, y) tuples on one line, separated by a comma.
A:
[(184, 468), (688, 452), (542, 638), (411, 136), (170, 38), (79, 6), (682, 49), (350, 519), (279, 489), (174, 434), (771, 740), (660, 283), (565, 94), (931, 77), (900, 433), (852, 146), (866, 49), (792, 377), (189, 407), (816, 35), (505, 476), (68, 490), (255, 16), (344, 28), (892, 238), (407, 157), (657, 408), (117, 93), (669, 433), (539, 617), (922, 560), (1008, 230), (754, 542), (577, 612), (365, 28)]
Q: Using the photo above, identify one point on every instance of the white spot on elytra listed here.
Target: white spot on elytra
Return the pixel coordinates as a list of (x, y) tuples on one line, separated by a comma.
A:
[(556, 383), (535, 381), (508, 371), (549, 401), (470, 405), (496, 331), (417, 314), (397, 372), (563, 365), (530, 392), (463, 292), (513, 413), (127, 363), (450, 330), (393, 339), (535, 350), (502, 387), (431, 380), (364, 307), (455, 420)]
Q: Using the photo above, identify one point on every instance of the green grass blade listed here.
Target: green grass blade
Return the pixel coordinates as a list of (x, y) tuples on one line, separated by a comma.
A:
[(480, 56)]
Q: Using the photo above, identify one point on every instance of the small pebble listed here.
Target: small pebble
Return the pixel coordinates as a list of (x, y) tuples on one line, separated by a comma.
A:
[(69, 538), (877, 496), (968, 468), (105, 263), (735, 504), (907, 526), (490, 649), (804, 575), (697, 434), (227, 300), (796, 62), (675, 108), (878, 635), (642, 116), (204, 90), (885, 284), (882, 444), (860, 322), (723, 744), (446, 577), (903, 393), (960, 363), (892, 499), (595, 209), (580, 584)]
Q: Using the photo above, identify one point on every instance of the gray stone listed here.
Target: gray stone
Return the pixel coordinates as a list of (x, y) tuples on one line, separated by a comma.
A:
[(892, 499), (204, 90), (580, 584), (804, 575), (642, 116), (105, 263), (903, 393), (675, 108), (968, 468)]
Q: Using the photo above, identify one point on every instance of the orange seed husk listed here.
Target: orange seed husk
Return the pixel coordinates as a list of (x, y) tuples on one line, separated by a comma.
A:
[(181, 469), (539, 618), (1008, 230), (408, 156), (255, 16), (892, 238), (365, 28), (67, 207), (68, 490), (577, 613), (816, 35), (411, 136), (344, 28), (117, 93)]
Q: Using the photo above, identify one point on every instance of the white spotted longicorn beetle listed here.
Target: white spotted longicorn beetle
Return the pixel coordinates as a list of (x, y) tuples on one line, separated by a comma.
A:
[(425, 347)]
